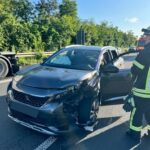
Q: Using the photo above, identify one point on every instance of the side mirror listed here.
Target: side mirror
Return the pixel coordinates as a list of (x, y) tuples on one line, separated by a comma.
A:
[(110, 69)]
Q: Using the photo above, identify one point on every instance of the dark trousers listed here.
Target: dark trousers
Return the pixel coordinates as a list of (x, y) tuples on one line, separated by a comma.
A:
[(141, 109)]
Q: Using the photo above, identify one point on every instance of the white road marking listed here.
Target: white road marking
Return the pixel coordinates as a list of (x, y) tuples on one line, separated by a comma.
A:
[(123, 119), (47, 143), (5, 80)]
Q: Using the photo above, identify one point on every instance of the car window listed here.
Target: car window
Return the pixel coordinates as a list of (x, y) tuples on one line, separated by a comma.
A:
[(75, 59), (106, 58), (61, 58), (114, 54)]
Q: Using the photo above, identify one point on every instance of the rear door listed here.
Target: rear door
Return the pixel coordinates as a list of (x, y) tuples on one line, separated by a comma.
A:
[(114, 85)]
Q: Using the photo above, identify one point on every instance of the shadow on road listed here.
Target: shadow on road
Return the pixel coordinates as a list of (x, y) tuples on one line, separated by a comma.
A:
[(69, 141), (115, 102), (112, 139)]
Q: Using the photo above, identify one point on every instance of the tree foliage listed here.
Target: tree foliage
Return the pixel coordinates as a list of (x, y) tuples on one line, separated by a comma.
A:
[(69, 8), (50, 25)]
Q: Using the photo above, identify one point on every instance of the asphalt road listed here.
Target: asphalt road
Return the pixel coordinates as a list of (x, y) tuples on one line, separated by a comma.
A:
[(109, 135)]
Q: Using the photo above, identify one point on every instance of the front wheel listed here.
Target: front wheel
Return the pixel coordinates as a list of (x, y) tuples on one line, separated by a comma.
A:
[(88, 111)]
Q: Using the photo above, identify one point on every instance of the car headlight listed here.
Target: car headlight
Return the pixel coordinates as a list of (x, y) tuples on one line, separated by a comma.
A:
[(58, 98), (73, 88), (70, 89)]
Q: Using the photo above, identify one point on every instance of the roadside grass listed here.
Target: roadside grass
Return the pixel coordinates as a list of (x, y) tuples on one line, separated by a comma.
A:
[(38, 58), (23, 61)]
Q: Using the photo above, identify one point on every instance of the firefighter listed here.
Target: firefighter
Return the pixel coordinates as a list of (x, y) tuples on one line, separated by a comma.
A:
[(141, 91)]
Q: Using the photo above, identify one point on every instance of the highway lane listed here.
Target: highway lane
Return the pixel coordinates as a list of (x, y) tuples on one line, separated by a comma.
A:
[(110, 132), (14, 136)]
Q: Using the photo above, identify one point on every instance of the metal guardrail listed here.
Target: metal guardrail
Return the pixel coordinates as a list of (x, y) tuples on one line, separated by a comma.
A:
[(32, 54)]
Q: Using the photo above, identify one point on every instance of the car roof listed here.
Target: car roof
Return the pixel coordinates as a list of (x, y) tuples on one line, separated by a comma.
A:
[(91, 47), (97, 48)]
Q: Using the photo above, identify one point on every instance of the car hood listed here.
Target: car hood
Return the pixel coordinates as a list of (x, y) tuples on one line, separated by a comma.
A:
[(50, 77)]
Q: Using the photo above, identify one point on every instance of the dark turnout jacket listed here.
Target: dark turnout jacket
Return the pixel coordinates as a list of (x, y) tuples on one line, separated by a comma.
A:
[(141, 71)]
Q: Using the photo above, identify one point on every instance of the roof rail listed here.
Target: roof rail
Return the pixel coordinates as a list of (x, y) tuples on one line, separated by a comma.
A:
[(69, 46)]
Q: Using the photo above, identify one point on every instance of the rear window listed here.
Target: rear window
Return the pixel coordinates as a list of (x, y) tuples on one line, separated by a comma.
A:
[(114, 54)]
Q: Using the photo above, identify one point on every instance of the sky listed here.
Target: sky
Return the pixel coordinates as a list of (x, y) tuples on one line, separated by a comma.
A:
[(125, 14)]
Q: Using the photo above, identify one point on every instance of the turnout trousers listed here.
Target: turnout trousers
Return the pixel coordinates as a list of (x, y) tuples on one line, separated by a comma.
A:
[(141, 108)]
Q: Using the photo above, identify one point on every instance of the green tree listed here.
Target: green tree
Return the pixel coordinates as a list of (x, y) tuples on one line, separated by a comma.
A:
[(47, 8), (91, 32), (69, 8), (25, 26)]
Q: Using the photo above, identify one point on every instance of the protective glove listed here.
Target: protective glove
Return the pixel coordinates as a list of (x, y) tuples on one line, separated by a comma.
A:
[(128, 106)]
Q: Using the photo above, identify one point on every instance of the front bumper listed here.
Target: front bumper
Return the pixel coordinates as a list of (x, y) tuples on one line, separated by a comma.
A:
[(47, 119), (34, 127)]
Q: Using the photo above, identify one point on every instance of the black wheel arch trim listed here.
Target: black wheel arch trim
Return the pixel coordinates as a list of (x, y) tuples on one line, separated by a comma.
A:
[(8, 62)]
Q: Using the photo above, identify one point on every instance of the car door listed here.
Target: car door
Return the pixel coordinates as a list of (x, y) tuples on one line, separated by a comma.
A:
[(114, 85)]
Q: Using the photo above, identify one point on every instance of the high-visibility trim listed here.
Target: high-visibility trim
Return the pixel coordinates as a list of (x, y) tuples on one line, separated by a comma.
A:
[(130, 74), (132, 102), (142, 91), (138, 65), (148, 81), (141, 95), (137, 129), (148, 127)]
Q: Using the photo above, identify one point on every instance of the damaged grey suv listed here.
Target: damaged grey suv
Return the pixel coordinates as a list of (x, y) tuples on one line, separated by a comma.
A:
[(66, 89)]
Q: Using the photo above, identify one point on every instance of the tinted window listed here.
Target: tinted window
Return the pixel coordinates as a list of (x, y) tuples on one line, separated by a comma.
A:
[(106, 58), (74, 59), (114, 54)]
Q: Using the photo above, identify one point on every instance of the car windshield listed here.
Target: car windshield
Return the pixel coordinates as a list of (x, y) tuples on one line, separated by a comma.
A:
[(79, 59)]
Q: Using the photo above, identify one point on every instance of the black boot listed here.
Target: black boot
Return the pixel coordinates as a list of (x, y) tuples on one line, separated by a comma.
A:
[(135, 136), (148, 132)]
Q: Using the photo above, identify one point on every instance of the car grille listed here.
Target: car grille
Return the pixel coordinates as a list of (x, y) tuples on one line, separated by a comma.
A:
[(28, 99)]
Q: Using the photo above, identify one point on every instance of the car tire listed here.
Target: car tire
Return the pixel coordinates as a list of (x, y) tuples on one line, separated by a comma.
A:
[(3, 68), (88, 110)]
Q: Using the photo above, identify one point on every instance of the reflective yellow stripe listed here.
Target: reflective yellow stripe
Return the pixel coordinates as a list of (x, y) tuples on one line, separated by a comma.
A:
[(148, 127), (148, 81), (132, 115), (141, 91), (138, 129), (132, 102), (130, 74), (138, 64), (141, 95)]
